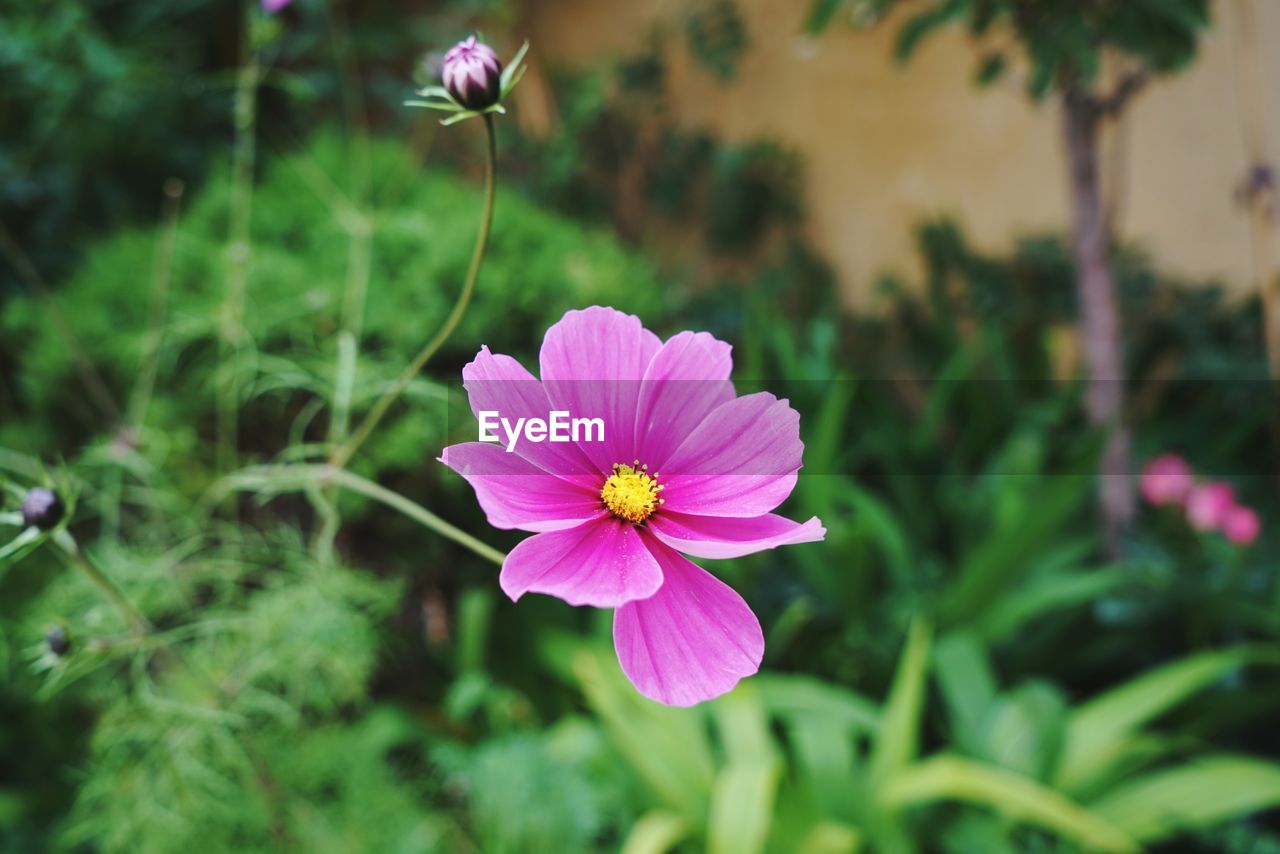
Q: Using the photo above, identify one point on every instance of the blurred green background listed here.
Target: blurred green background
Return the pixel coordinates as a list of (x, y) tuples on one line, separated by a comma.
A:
[(965, 665)]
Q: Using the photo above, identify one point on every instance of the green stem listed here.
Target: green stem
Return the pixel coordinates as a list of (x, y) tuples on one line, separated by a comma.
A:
[(131, 613), (145, 384), (356, 287), (343, 455), (301, 476), (238, 247)]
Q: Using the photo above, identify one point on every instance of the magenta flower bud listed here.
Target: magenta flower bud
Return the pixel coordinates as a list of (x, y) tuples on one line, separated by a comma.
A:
[(473, 74), (1241, 525), (1208, 505), (1166, 480), (42, 508)]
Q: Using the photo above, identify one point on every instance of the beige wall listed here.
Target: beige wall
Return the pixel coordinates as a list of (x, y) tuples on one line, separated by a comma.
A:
[(888, 146)]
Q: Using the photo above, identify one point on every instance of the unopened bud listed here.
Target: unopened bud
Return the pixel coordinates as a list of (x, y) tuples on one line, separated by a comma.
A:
[(42, 508), (57, 641), (472, 74)]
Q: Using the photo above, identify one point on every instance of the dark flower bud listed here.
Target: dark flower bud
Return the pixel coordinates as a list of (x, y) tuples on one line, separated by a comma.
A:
[(42, 508), (57, 641), (472, 74)]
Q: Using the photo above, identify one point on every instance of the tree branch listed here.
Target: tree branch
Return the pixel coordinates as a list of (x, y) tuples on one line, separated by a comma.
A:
[(1129, 85)]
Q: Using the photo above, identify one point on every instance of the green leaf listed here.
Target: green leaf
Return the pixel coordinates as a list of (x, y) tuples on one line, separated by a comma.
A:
[(743, 726), (1025, 729), (914, 30), (742, 807), (1010, 794), (899, 727), (656, 832), (447, 106), (799, 697), (1051, 593), (967, 683), (829, 837), (1191, 796), (824, 760), (1009, 552), (1098, 730), (666, 747), (991, 68), (514, 71), (873, 517), (820, 14)]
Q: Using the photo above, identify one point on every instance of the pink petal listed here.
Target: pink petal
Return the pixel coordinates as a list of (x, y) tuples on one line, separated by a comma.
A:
[(692, 640), (602, 563), (517, 494), (592, 363), (687, 379), (709, 536), (740, 461), (499, 383)]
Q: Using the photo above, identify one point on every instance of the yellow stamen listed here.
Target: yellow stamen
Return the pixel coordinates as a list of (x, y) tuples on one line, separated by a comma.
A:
[(631, 493)]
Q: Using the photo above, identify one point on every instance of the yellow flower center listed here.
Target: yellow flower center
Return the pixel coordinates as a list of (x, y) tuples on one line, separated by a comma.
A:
[(631, 493)]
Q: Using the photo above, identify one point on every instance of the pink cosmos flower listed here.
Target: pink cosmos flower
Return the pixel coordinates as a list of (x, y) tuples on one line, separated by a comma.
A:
[(1167, 479), (1208, 505), (685, 465), (1241, 525)]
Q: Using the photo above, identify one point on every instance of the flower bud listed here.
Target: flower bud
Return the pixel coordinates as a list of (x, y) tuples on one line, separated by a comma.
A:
[(57, 641), (42, 508), (1166, 480), (472, 74), (1208, 505), (1241, 525)]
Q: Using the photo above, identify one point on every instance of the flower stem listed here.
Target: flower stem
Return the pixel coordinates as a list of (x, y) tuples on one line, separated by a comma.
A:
[(292, 477), (343, 455), (238, 246), (131, 613)]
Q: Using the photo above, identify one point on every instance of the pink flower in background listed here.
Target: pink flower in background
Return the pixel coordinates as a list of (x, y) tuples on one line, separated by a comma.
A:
[(472, 74), (1167, 479), (685, 465), (273, 6), (1207, 505), (1241, 525)]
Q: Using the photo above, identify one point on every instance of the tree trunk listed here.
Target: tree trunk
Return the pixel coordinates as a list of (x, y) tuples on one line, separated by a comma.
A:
[(1099, 315)]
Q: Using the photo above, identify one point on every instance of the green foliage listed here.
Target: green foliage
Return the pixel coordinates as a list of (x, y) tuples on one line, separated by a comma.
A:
[(955, 669), (717, 37), (1062, 43), (422, 227), (105, 101), (617, 133), (787, 764), (81, 80)]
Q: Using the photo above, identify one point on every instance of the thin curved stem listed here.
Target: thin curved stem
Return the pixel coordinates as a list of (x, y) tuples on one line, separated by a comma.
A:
[(300, 476), (138, 622), (375, 415), (239, 247)]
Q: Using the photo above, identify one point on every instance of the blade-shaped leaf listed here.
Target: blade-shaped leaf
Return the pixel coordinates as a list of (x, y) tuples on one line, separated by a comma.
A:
[(1012, 795), (656, 832), (1098, 730), (742, 807), (900, 723), (1194, 795)]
